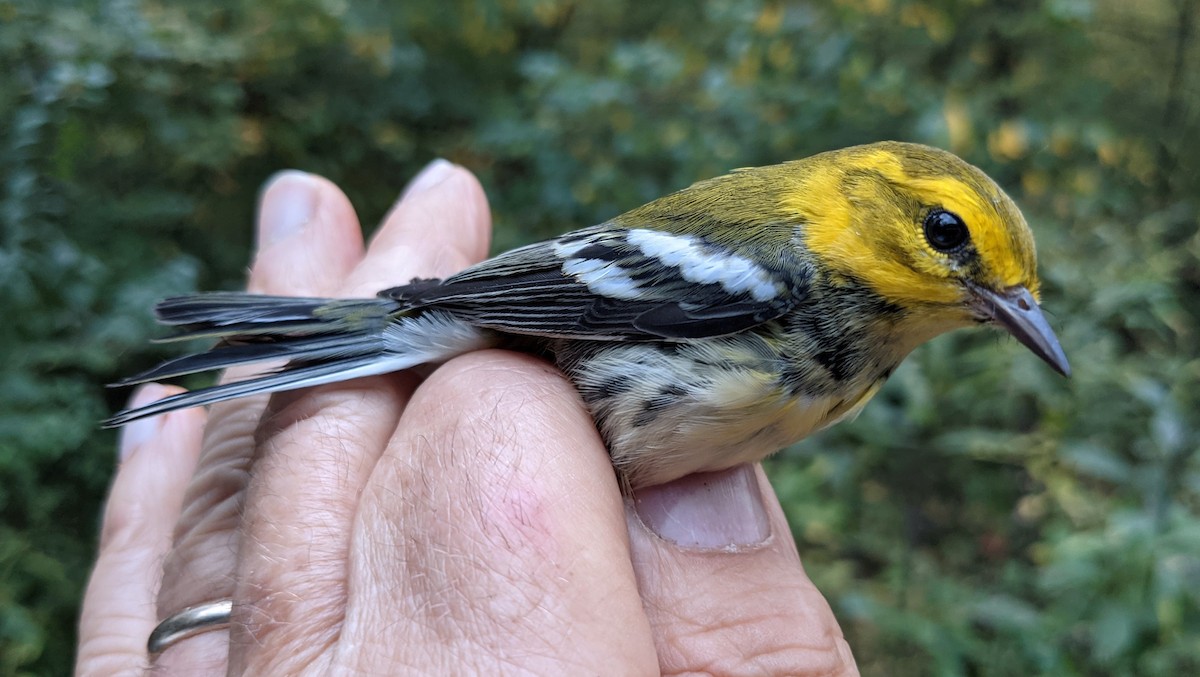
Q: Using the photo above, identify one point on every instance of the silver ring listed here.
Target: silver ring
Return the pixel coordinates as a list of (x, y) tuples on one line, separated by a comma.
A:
[(191, 621)]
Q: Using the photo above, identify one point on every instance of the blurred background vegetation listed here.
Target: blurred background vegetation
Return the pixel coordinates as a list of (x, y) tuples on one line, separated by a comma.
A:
[(982, 517)]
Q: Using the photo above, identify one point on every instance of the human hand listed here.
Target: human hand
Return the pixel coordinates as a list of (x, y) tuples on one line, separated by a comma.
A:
[(467, 522)]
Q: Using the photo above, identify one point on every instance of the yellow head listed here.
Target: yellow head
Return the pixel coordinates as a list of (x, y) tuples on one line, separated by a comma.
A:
[(921, 228), (925, 230)]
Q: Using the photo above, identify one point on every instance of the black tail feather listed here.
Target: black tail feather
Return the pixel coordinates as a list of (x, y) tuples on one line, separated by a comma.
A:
[(252, 328), (218, 309), (224, 356), (320, 340), (290, 379)]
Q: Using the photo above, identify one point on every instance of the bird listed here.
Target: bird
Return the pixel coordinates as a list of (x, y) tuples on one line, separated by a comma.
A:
[(707, 328)]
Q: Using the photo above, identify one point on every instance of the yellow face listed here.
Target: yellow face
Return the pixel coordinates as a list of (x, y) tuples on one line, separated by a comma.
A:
[(927, 232), (916, 224)]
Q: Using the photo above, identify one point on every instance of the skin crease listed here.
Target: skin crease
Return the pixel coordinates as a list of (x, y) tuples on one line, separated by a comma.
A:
[(469, 522)]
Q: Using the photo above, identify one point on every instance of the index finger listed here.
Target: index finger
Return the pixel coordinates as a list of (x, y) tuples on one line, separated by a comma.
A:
[(492, 537)]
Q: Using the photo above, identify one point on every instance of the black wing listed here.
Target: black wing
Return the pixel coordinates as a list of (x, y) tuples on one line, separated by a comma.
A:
[(607, 283)]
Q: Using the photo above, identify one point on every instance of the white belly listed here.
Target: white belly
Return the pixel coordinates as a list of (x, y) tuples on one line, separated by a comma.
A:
[(669, 421)]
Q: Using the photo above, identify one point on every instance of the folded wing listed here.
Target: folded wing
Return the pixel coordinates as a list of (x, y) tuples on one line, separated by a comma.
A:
[(613, 284)]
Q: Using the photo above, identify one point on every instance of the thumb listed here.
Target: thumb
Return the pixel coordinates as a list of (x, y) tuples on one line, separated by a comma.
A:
[(722, 584)]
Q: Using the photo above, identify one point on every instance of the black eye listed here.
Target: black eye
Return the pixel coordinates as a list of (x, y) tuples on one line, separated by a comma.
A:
[(945, 230)]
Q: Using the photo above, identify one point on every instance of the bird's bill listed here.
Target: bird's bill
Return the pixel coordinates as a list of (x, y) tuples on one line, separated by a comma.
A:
[(1016, 311)]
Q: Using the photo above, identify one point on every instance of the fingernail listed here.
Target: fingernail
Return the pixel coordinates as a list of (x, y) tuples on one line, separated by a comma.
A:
[(707, 511), (434, 173), (135, 434), (288, 202)]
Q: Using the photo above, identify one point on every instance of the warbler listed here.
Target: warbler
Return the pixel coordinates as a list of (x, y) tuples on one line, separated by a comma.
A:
[(705, 329)]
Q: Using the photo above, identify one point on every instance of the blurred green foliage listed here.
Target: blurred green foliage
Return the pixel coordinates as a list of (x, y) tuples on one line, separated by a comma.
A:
[(982, 517)]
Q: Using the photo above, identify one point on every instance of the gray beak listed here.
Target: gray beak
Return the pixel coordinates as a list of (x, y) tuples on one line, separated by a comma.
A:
[(1016, 312)]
